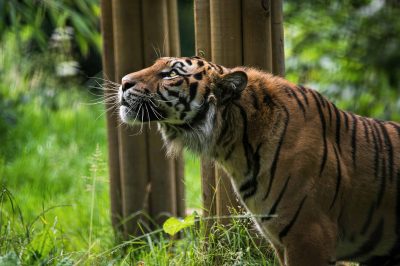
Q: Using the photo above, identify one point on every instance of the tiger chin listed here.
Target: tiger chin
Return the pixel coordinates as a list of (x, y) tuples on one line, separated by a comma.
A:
[(323, 183)]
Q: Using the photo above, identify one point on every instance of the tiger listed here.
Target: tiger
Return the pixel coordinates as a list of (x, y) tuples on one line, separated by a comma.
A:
[(322, 184)]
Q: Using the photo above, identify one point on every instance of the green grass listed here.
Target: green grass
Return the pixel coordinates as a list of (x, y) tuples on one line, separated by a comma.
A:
[(192, 181), (50, 161)]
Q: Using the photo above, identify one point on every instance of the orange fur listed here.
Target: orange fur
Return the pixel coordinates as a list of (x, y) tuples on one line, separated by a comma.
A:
[(331, 177)]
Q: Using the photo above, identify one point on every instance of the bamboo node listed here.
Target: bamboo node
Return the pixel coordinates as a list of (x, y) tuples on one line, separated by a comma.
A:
[(266, 5)]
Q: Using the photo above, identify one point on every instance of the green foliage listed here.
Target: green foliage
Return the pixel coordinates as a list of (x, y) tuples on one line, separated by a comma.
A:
[(53, 178), (350, 50), (34, 20)]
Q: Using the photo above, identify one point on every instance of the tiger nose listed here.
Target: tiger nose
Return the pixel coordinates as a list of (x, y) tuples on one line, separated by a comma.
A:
[(127, 84)]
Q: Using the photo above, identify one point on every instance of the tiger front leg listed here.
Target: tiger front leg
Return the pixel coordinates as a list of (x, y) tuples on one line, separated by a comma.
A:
[(310, 244)]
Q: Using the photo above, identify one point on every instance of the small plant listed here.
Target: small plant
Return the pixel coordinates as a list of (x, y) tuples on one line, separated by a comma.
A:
[(173, 225)]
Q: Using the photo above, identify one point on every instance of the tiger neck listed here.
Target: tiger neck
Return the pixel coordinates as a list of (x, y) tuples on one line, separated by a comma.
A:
[(235, 149), (196, 136)]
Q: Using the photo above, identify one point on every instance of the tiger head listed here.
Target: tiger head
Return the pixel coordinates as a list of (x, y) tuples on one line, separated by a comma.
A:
[(183, 95)]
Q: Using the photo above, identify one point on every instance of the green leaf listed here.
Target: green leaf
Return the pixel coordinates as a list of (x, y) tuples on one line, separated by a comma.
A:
[(173, 225)]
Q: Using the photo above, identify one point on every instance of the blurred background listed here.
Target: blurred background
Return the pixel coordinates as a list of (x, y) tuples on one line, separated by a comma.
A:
[(53, 170)]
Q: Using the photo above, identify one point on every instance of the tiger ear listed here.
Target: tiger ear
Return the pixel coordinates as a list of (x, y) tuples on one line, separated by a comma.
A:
[(230, 86)]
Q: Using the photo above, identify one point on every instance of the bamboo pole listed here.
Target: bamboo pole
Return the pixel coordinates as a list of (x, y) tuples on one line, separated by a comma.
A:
[(132, 146), (180, 186), (277, 38), (175, 50), (112, 119), (226, 32), (208, 187), (226, 49), (240, 32), (173, 28), (142, 179), (257, 45), (203, 48), (202, 28), (162, 170)]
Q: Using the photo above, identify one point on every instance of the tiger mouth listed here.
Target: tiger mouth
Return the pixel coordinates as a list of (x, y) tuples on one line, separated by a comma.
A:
[(140, 111)]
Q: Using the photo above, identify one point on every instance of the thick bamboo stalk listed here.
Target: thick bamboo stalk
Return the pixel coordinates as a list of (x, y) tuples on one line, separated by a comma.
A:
[(202, 28), (257, 46), (240, 32), (208, 186), (163, 197), (112, 119), (175, 50), (226, 49), (173, 28), (277, 38), (226, 32), (203, 48), (180, 186), (132, 146)]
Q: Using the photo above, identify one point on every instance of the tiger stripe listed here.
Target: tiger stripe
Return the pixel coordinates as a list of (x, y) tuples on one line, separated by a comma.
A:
[(193, 90), (354, 139), (338, 125), (388, 147), (252, 183), (320, 98), (254, 100), (286, 229), (376, 152), (299, 103), (330, 113), (338, 177), (277, 153), (303, 94), (346, 120), (366, 130), (396, 127), (245, 139), (278, 200), (382, 164), (323, 125)]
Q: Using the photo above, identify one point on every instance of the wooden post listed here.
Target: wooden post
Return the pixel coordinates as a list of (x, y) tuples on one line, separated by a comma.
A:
[(175, 50), (227, 50), (112, 119), (132, 146), (146, 181), (257, 43), (277, 38), (233, 33), (203, 48), (155, 37), (202, 28)]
